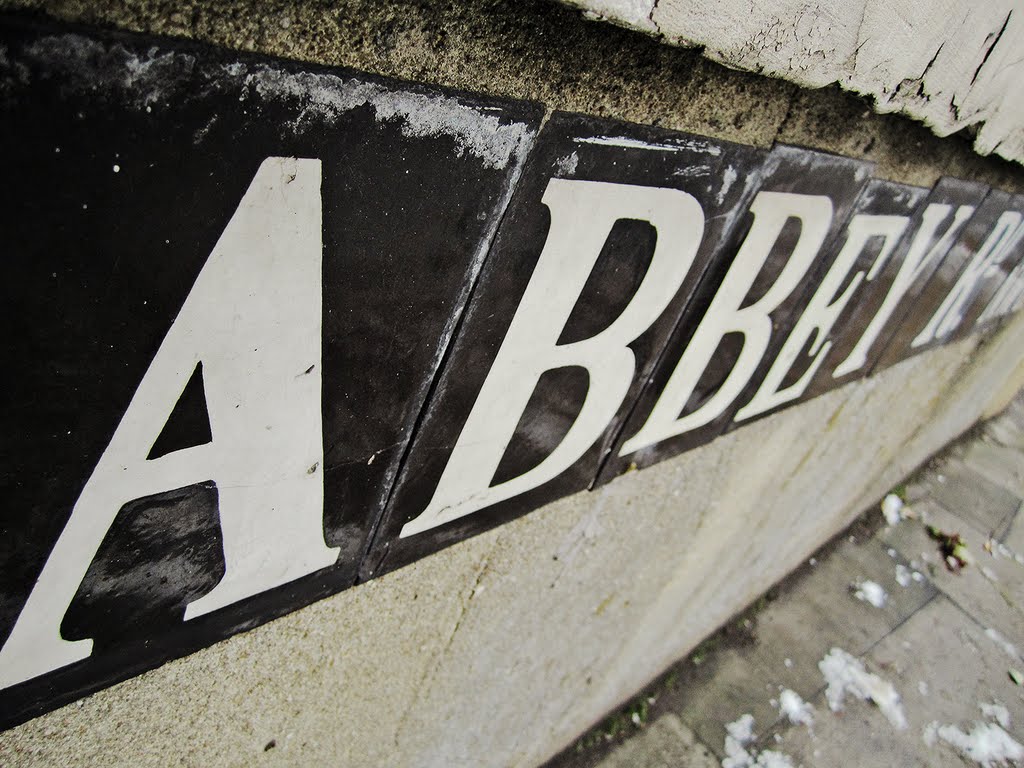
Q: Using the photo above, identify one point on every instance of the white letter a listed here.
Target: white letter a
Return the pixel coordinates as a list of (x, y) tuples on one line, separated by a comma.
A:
[(253, 318)]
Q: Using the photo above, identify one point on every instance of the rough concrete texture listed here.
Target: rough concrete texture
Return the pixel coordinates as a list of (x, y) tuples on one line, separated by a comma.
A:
[(537, 49), (954, 65), (329, 685), (940, 638)]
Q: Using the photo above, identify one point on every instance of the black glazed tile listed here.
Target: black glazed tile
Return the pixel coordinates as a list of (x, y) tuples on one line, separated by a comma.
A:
[(336, 221), (1006, 299), (955, 296), (864, 329), (601, 204), (709, 366), (876, 228)]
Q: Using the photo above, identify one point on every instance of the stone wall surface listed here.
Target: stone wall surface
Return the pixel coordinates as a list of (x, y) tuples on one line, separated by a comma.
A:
[(500, 649), (953, 65)]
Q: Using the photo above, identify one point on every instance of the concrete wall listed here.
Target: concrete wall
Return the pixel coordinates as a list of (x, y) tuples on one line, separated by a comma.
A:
[(500, 649), (954, 65)]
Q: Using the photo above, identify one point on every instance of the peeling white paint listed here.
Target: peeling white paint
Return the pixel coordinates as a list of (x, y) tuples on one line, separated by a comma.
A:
[(327, 96), (625, 13), (952, 65), (683, 145), (729, 177), (160, 77), (566, 166)]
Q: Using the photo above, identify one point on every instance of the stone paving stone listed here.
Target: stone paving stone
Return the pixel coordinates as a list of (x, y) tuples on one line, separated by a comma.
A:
[(1009, 567), (1008, 428), (994, 600), (819, 612), (734, 686), (665, 743), (970, 495), (960, 668), (999, 464), (929, 639), (1014, 539)]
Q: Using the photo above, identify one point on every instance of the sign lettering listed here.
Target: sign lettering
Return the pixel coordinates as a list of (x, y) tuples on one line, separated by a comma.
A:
[(287, 338)]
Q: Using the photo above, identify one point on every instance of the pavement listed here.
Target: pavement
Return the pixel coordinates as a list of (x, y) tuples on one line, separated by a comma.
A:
[(815, 674)]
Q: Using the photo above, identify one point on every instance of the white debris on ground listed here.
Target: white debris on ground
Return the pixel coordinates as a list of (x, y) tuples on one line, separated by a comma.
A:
[(987, 744), (795, 708), (988, 573), (892, 509), (738, 735), (871, 592), (844, 674), (1002, 642), (741, 729), (930, 735), (996, 711), (903, 577), (922, 688), (996, 548)]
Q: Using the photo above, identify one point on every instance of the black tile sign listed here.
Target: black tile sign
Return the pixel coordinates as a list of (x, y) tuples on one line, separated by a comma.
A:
[(610, 231), (743, 309), (229, 283), (896, 281), (274, 328), (844, 301), (966, 279)]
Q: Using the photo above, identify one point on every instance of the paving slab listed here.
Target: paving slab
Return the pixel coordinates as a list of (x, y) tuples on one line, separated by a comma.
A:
[(665, 743), (943, 666), (967, 493), (734, 685), (1014, 540), (989, 589), (794, 632), (1000, 464), (1008, 427)]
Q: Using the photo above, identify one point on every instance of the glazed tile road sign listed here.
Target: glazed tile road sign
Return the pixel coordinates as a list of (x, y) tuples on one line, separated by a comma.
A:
[(842, 299), (744, 308), (229, 283), (274, 328), (610, 231), (963, 284), (892, 294)]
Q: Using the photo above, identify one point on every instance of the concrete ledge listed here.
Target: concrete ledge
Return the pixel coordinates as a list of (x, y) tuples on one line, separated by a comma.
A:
[(953, 70), (499, 650)]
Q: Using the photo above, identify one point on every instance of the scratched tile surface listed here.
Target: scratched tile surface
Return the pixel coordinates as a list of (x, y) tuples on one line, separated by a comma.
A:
[(896, 290), (836, 182), (956, 294), (880, 200), (622, 219), (136, 160)]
